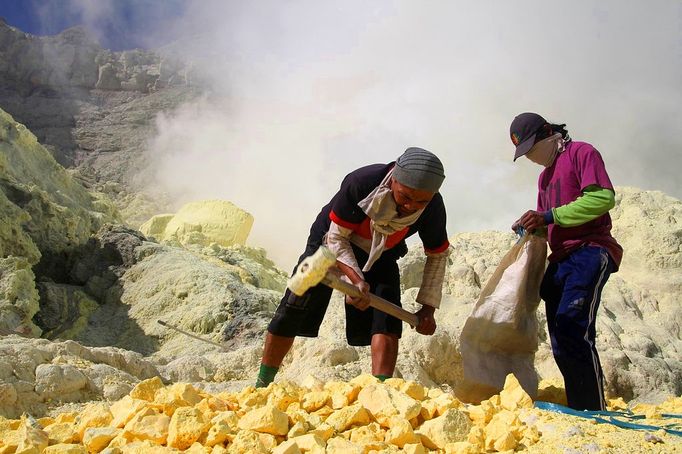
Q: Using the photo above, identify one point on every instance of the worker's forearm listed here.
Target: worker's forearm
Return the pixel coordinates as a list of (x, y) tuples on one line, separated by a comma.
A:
[(338, 241), (594, 202), (350, 272), (431, 289)]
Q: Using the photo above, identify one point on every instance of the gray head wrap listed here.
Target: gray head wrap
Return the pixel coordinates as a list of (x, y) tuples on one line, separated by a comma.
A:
[(419, 169)]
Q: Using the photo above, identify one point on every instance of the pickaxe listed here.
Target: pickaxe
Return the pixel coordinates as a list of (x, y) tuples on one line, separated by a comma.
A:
[(315, 269)]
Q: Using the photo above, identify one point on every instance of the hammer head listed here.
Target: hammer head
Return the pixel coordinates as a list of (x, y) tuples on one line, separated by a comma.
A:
[(311, 270)]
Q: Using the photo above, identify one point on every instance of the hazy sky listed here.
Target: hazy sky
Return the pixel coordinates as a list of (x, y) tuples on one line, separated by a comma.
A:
[(307, 91)]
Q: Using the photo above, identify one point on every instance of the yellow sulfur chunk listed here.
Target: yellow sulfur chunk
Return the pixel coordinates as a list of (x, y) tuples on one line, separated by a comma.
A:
[(461, 447), (384, 402), (339, 445), (416, 422), (218, 434), (324, 431), (394, 382), (65, 448), (324, 412), (506, 442), (66, 417), (146, 389), (379, 447), (552, 390), (141, 447), (513, 396), (282, 395), (444, 402), (414, 390), (363, 380), (94, 415), (267, 419), (672, 405), (297, 415), (483, 413), (314, 400), (288, 447), (186, 426), (269, 441), (300, 428), (45, 421), (342, 394), (501, 432), (247, 442), (196, 448), (451, 427), (61, 432), (346, 417), (98, 438), (400, 432), (366, 434), (124, 409), (216, 450), (530, 435), (209, 406), (434, 392), (429, 409), (414, 448), (118, 441), (476, 438), (617, 404), (147, 424), (310, 442), (251, 397), (175, 396), (30, 439)]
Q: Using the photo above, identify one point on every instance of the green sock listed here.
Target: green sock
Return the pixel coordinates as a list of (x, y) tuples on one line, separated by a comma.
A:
[(382, 377), (266, 375)]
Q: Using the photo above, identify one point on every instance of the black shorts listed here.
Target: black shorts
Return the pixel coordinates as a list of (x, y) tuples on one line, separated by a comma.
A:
[(303, 315)]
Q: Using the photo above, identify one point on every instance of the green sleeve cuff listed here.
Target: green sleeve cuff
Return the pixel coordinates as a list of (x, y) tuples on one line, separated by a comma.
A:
[(594, 202)]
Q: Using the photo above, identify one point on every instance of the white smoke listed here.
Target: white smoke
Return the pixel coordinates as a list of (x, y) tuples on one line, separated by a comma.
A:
[(306, 91)]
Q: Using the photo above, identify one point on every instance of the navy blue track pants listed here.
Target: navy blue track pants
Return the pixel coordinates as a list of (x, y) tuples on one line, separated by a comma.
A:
[(571, 289)]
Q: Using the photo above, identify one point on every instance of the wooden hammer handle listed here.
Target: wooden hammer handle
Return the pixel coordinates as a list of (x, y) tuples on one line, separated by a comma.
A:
[(333, 281)]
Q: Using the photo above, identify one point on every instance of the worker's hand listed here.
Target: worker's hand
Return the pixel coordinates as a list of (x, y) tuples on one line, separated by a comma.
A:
[(362, 302), (427, 322), (530, 221)]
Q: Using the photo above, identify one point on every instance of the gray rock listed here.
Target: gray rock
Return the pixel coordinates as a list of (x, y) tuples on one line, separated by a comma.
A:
[(59, 381)]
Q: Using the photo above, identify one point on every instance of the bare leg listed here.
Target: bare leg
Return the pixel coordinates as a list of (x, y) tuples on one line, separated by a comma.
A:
[(275, 349), (384, 354)]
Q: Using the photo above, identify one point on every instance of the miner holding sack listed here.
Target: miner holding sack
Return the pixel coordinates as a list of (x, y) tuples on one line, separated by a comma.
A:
[(575, 195)]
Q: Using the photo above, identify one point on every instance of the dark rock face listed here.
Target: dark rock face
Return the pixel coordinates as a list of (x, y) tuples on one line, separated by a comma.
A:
[(90, 107), (93, 280), (104, 258)]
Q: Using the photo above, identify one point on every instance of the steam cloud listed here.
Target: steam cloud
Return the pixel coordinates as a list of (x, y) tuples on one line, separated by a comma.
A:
[(306, 91)]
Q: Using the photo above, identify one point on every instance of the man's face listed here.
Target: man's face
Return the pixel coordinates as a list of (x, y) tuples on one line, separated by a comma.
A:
[(408, 200)]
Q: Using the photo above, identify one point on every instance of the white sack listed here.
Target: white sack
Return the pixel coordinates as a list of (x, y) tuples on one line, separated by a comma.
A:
[(501, 334)]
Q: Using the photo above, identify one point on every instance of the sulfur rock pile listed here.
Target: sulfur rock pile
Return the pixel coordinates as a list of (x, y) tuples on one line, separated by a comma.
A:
[(359, 416)]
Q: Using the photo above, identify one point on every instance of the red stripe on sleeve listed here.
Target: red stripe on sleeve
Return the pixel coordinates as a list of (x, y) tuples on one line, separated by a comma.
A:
[(337, 220), (439, 249)]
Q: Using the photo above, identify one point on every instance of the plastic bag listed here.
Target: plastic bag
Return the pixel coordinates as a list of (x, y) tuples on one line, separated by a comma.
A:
[(501, 334)]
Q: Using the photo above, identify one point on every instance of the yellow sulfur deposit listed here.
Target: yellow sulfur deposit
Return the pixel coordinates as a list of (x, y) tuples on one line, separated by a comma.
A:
[(390, 417), (204, 222)]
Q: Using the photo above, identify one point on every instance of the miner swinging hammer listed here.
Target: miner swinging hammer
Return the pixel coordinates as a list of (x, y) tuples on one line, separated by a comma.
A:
[(317, 268), (364, 229)]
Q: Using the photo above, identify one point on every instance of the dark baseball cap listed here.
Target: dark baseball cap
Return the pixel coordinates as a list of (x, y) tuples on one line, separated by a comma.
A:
[(523, 130)]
